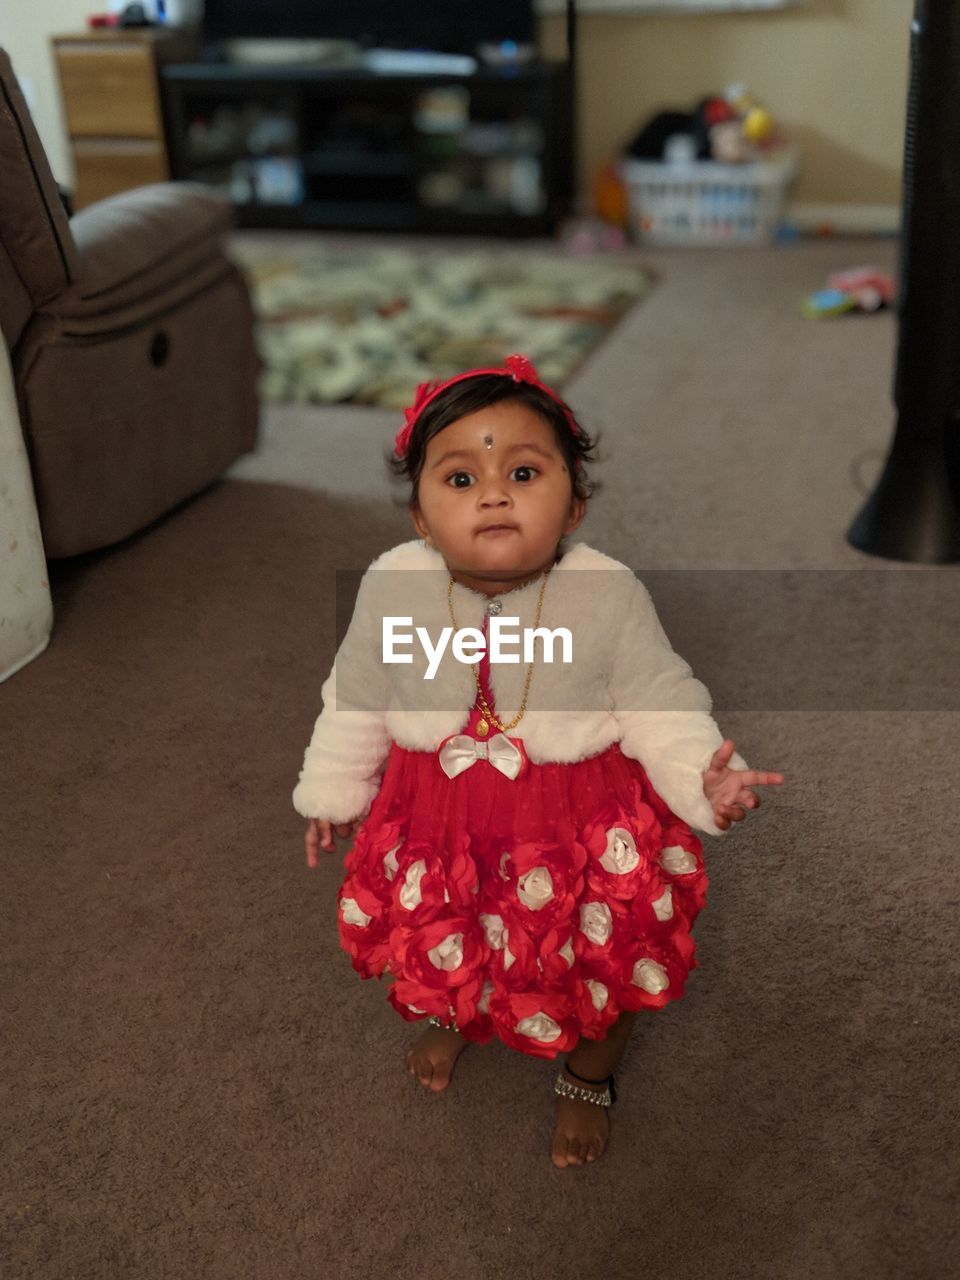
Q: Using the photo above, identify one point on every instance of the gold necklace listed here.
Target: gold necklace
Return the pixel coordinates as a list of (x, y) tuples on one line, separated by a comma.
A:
[(487, 716)]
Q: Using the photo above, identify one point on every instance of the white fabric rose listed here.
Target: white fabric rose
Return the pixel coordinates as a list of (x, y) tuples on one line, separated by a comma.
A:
[(540, 1026), (410, 895), (483, 1003), (504, 873), (390, 867), (535, 888), (493, 928), (352, 914), (663, 907), (678, 861), (448, 954), (567, 952), (650, 976), (621, 854), (598, 994), (596, 922)]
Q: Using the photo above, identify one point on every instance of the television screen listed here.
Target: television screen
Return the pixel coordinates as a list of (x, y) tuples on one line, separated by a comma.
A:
[(449, 26)]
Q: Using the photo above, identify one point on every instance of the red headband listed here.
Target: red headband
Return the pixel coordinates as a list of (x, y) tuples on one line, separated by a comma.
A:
[(519, 368)]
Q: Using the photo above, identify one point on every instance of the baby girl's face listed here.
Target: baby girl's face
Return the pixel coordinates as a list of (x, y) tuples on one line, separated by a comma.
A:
[(495, 496)]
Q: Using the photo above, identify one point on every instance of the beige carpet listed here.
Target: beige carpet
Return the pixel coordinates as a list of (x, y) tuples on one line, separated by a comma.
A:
[(194, 1083)]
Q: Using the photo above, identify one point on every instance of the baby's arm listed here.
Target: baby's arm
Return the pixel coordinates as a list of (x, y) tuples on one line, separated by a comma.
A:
[(340, 774), (664, 713), (341, 766)]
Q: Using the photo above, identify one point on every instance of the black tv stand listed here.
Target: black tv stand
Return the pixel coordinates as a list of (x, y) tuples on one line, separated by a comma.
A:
[(313, 146)]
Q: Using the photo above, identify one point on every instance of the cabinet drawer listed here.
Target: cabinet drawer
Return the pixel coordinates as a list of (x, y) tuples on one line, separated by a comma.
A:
[(109, 91), (106, 167)]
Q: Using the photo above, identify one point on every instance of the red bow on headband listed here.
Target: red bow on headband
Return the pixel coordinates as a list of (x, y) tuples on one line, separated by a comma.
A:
[(517, 367)]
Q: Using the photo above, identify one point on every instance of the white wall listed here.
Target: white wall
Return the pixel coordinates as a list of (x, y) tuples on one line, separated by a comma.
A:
[(25, 30), (834, 73)]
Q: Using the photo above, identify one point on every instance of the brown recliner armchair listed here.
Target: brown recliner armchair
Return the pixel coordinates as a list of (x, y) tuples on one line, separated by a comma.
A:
[(131, 340)]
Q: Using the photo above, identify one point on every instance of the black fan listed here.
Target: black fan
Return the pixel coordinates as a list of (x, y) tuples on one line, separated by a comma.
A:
[(914, 512)]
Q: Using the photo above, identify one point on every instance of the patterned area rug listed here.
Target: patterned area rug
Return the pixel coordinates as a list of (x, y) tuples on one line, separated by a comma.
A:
[(367, 325)]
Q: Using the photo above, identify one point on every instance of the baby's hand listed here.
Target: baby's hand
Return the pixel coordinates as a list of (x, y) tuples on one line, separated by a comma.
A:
[(728, 790), (319, 835)]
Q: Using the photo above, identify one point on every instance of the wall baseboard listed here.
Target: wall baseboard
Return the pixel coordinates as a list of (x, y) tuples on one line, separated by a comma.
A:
[(846, 219)]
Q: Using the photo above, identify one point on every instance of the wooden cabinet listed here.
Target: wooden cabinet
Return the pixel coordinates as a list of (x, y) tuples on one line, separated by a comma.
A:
[(109, 83)]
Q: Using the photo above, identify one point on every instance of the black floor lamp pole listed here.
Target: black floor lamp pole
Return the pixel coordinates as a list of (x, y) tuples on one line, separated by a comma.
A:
[(914, 512), (572, 76)]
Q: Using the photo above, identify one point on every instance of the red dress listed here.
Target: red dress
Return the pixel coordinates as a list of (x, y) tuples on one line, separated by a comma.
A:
[(536, 909)]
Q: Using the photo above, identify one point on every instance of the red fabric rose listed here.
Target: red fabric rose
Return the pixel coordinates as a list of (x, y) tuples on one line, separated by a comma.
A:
[(658, 912), (596, 1009), (413, 1001), (467, 1006), (542, 1024), (373, 860), (600, 928), (513, 953), (442, 954), (557, 959), (363, 928), (541, 885), (680, 864), (472, 1008), (427, 882), (651, 975), (621, 848)]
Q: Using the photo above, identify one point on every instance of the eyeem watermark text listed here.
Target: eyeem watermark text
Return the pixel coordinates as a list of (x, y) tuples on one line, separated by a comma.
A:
[(467, 644)]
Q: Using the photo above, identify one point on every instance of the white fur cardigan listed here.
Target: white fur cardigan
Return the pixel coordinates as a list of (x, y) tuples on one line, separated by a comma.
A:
[(625, 684)]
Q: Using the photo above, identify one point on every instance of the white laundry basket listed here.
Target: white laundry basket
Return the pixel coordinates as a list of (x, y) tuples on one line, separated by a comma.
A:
[(708, 202)]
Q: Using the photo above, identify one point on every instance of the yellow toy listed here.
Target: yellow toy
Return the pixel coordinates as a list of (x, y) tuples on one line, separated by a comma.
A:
[(758, 125)]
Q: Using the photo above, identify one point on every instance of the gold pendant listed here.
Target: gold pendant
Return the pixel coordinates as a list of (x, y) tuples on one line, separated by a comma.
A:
[(482, 728)]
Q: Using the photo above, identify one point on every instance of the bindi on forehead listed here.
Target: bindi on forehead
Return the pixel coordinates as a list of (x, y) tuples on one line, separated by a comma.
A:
[(488, 442)]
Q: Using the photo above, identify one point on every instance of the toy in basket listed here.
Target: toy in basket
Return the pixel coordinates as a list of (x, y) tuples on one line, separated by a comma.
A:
[(708, 201), (717, 175)]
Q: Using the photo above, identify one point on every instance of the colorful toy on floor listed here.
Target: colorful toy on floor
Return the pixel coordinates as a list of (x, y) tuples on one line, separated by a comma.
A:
[(828, 302), (588, 235), (856, 289), (866, 282)]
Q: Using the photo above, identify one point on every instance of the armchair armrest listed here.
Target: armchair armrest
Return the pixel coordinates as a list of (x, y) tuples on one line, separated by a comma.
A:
[(131, 246)]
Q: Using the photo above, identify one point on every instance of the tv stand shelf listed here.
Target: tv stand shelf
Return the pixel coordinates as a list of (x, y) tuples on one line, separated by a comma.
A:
[(309, 146)]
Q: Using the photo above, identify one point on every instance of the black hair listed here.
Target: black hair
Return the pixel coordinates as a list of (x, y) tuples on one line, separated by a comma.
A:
[(472, 394)]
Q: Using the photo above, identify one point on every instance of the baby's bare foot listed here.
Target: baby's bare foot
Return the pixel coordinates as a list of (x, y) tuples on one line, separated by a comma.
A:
[(432, 1057), (582, 1130)]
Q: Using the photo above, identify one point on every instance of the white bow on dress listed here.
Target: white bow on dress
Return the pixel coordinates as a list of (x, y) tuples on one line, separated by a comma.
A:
[(461, 751)]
